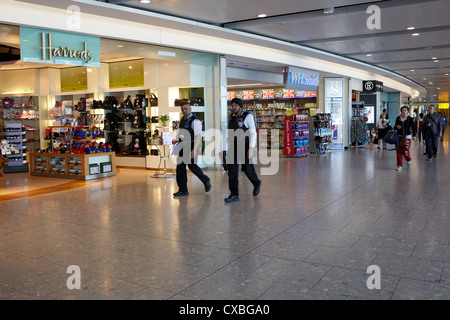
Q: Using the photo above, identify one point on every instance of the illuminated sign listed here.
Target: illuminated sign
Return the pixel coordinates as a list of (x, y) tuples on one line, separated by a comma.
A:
[(54, 47), (300, 79)]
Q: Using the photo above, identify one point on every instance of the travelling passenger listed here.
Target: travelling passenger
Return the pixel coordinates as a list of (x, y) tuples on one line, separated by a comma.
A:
[(432, 131), (406, 130), (444, 123), (382, 125), (385, 112), (240, 149), (419, 127), (189, 136)]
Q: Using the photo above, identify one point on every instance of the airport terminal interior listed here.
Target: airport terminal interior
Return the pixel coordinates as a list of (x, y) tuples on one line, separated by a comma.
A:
[(91, 111)]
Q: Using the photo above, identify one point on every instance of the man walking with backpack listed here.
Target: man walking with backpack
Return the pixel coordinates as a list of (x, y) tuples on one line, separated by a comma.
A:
[(432, 131)]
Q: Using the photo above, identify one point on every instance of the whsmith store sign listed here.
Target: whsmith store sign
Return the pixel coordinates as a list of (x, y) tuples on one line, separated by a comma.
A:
[(301, 79), (54, 47)]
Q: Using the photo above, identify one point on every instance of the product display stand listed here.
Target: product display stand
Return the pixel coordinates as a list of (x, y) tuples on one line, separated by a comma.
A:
[(322, 133), (73, 166), (15, 135), (164, 158)]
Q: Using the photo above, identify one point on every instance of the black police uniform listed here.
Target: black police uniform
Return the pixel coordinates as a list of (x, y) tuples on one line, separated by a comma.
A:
[(236, 123), (186, 123)]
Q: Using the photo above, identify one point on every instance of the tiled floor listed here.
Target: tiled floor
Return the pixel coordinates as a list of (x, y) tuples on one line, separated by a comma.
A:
[(312, 233)]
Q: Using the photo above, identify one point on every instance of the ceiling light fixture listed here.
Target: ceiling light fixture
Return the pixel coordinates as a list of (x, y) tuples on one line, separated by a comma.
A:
[(446, 74), (167, 53), (412, 70), (145, 1), (415, 34), (328, 10), (262, 15), (433, 58), (368, 55), (410, 28), (436, 61)]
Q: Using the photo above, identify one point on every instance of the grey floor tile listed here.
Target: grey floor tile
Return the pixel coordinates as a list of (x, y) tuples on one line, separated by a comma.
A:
[(282, 291), (340, 257), (353, 283), (409, 267), (411, 289), (227, 286), (293, 272)]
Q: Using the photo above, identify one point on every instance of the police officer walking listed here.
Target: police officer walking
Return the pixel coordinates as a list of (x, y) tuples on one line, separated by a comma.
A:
[(241, 143), (189, 137)]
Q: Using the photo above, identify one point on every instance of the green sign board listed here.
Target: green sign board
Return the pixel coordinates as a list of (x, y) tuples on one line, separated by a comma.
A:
[(55, 47), (126, 74), (74, 79)]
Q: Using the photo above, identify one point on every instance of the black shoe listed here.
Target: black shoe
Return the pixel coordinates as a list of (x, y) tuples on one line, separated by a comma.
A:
[(257, 189), (181, 193), (231, 199), (425, 153), (208, 186)]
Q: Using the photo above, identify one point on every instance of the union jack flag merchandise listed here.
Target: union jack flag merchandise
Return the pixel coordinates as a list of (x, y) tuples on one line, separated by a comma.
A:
[(248, 95), (268, 94)]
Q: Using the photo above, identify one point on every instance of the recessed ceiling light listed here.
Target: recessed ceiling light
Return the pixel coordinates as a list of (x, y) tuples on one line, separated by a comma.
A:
[(424, 78), (368, 55), (410, 28), (145, 1), (434, 58), (120, 46), (438, 88), (430, 82), (262, 15), (89, 70), (185, 61), (412, 70), (245, 65), (130, 67), (415, 34), (436, 61), (167, 53), (328, 10), (446, 74)]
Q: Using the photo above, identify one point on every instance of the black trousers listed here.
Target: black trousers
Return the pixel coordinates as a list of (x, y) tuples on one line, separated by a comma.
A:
[(182, 175), (233, 174)]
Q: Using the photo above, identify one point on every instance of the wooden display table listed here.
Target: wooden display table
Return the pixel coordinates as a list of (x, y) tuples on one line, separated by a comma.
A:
[(73, 166)]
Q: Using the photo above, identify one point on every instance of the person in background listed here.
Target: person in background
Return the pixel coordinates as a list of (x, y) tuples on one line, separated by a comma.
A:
[(382, 125), (240, 122), (419, 127), (406, 130), (189, 135), (385, 112), (444, 122), (432, 131)]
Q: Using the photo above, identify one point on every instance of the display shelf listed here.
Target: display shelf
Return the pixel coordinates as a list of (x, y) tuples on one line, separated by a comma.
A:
[(85, 167), (16, 148), (322, 133), (24, 110)]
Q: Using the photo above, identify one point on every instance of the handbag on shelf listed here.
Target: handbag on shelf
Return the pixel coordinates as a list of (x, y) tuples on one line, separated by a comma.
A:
[(153, 100), (197, 102)]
